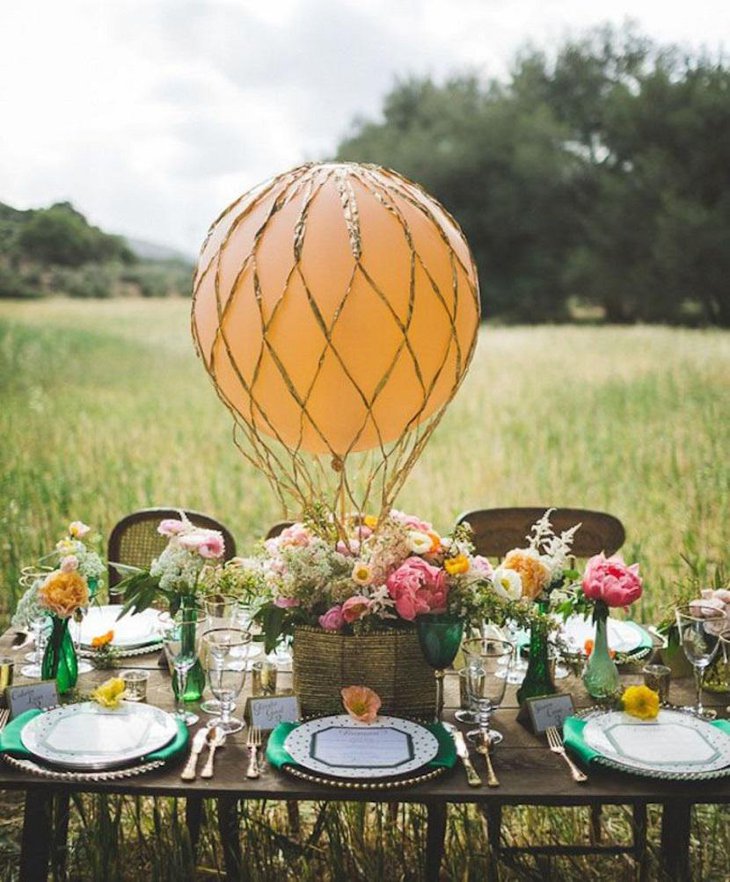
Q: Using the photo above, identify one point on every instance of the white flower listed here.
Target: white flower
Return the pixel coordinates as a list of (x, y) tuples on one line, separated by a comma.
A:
[(362, 573), (418, 542), (507, 583)]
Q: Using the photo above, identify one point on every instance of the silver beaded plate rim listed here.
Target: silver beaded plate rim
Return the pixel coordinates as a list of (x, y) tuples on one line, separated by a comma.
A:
[(121, 652), (34, 768), (648, 772)]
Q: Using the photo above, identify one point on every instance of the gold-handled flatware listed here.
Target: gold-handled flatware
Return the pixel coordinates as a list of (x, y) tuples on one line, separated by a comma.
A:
[(483, 747), (199, 741), (462, 751), (555, 743), (253, 742), (216, 739)]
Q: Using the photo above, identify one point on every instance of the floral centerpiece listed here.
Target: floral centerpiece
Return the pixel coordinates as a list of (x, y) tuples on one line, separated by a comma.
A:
[(64, 594), (607, 583), (177, 576)]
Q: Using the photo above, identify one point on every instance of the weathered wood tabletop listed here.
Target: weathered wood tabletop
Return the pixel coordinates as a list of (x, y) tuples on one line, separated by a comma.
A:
[(529, 773)]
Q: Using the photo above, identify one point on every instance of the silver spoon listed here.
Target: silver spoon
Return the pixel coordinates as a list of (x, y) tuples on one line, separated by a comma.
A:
[(216, 739)]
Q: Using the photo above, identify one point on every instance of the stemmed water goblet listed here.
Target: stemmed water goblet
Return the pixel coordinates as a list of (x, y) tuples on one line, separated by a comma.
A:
[(485, 658), (38, 624), (440, 637), (512, 670), (179, 640), (220, 612), (226, 664), (699, 638)]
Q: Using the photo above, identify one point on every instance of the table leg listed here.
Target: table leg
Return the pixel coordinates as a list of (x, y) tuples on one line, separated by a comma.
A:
[(435, 833), (194, 820), (228, 829), (36, 839), (676, 817), (60, 837)]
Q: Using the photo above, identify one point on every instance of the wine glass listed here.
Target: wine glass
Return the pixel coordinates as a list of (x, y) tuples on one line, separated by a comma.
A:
[(699, 638), (38, 625), (83, 667), (440, 637), (179, 641), (220, 612), (485, 658), (512, 670), (227, 666), (244, 619)]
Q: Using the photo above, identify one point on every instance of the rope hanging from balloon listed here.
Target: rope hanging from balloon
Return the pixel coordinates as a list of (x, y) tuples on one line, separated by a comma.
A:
[(336, 309)]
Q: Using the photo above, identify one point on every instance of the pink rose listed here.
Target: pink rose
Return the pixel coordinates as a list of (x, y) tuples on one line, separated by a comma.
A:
[(355, 608), (208, 543), (332, 620), (78, 529), (480, 566), (69, 563), (411, 521), (297, 534), (610, 580), (286, 602), (417, 587), (171, 527)]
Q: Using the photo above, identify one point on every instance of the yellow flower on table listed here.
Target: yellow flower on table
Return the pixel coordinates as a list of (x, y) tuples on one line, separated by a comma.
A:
[(110, 693), (641, 702)]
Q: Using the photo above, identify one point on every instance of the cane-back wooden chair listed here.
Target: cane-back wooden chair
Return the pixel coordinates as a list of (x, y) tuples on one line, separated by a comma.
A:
[(497, 531), (134, 539)]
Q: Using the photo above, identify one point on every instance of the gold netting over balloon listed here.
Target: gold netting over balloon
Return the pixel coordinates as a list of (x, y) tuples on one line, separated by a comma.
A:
[(336, 309)]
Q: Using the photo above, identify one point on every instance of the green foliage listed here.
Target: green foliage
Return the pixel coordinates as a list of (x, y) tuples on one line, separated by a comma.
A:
[(599, 175)]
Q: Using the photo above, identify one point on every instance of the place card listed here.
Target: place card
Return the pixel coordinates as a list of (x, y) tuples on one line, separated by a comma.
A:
[(267, 711), (543, 711), (31, 696)]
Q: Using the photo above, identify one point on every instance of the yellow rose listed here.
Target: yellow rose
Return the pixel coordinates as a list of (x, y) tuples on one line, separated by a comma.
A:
[(641, 702), (63, 593)]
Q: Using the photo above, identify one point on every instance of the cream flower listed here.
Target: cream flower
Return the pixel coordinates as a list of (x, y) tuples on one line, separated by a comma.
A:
[(507, 583), (418, 542), (362, 573)]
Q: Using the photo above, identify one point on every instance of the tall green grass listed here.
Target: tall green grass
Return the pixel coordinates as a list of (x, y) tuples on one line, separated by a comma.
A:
[(104, 409)]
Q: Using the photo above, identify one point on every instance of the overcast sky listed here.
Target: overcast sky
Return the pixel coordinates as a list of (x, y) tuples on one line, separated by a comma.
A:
[(152, 115)]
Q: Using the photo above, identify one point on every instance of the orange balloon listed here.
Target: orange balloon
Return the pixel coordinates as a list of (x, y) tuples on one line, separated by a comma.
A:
[(335, 307)]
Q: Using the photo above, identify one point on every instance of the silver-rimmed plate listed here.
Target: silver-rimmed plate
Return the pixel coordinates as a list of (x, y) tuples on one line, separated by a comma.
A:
[(341, 747), (88, 737), (675, 745), (132, 631)]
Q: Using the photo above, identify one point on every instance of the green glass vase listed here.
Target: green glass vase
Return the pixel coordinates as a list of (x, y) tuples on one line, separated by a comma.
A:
[(538, 678), (59, 659), (600, 677), (195, 682)]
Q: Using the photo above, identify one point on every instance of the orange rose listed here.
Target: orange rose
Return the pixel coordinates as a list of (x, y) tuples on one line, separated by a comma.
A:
[(63, 593), (535, 574)]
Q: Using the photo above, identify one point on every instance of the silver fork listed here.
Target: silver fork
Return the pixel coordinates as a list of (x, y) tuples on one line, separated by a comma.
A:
[(555, 743), (253, 742), (4, 717)]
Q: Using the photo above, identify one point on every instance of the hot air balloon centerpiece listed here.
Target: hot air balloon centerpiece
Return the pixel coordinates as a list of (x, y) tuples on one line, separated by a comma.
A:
[(336, 310)]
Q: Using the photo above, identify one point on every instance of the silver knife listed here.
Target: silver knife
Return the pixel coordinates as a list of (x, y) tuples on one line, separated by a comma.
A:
[(188, 773), (471, 773)]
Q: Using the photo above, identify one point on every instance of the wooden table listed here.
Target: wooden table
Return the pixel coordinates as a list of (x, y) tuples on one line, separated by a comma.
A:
[(528, 772)]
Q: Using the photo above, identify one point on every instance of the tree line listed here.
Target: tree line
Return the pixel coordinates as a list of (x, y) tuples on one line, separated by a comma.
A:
[(593, 181)]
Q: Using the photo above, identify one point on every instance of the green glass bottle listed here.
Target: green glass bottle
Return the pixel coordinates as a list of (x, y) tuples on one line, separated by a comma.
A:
[(196, 675), (601, 677), (538, 679), (59, 659)]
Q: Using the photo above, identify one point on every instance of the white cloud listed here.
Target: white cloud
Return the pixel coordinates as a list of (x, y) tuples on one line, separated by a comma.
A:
[(151, 115)]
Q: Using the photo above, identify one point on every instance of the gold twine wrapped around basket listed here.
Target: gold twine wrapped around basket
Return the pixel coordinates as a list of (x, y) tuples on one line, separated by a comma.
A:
[(390, 662)]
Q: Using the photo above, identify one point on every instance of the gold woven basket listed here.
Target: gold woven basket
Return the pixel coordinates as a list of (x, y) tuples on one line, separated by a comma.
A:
[(390, 662)]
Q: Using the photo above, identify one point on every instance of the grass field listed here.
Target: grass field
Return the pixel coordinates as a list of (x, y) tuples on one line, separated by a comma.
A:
[(104, 409)]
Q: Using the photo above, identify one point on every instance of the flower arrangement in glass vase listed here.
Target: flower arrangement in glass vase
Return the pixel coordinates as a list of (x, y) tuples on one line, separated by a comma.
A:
[(177, 576), (607, 583), (62, 594)]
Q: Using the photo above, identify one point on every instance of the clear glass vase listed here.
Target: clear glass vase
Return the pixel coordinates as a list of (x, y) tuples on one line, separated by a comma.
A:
[(59, 659), (601, 678)]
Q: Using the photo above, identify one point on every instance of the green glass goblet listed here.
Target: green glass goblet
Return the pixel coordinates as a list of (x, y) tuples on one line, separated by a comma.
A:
[(440, 637)]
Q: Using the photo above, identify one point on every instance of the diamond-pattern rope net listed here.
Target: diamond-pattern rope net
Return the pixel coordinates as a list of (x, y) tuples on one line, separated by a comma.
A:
[(336, 309)]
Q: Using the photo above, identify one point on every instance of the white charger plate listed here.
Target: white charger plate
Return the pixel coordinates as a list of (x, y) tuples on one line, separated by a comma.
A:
[(130, 632), (624, 637), (89, 737), (674, 745), (341, 747)]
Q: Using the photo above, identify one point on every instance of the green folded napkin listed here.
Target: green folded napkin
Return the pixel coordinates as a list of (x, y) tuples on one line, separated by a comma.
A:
[(277, 755), (573, 737), (12, 744)]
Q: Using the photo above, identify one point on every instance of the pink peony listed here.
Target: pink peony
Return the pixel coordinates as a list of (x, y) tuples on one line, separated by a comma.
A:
[(417, 587), (332, 620), (208, 543), (297, 534), (610, 580), (355, 608), (171, 527), (69, 563)]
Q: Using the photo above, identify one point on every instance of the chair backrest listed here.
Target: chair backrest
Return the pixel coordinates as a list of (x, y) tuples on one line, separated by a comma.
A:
[(498, 530), (277, 529), (134, 540)]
